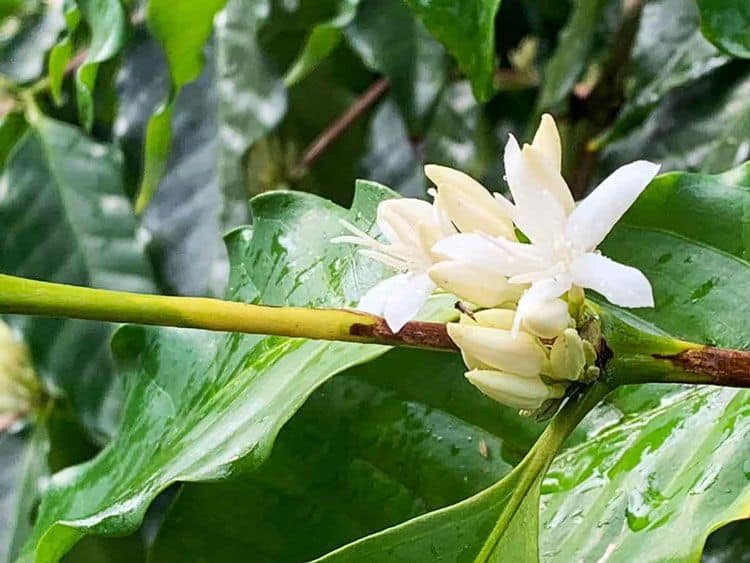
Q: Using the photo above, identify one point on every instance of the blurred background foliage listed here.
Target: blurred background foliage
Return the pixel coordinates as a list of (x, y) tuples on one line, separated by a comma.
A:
[(187, 109)]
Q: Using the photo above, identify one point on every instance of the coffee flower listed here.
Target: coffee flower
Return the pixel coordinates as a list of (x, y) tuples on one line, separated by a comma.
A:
[(471, 208), (507, 369), (563, 237), (411, 228)]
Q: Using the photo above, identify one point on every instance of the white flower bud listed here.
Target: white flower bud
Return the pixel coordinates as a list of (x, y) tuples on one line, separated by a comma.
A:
[(568, 358), (497, 349), (468, 204), (516, 391), (19, 388), (474, 284), (547, 319)]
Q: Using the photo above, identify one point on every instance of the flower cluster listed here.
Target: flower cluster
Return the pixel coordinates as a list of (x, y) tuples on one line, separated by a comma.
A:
[(525, 262)]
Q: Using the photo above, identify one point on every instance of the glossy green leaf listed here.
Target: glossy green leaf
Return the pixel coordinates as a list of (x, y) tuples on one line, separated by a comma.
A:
[(65, 218), (12, 128), (23, 449), (467, 29), (667, 462), (252, 99), (574, 44), (669, 52), (633, 496), (23, 51), (367, 451), (392, 41), (182, 29), (61, 54), (106, 20), (323, 39), (725, 24), (183, 218), (704, 127), (202, 406)]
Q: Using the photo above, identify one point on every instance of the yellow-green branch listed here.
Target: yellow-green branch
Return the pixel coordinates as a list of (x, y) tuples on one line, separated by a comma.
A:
[(31, 297)]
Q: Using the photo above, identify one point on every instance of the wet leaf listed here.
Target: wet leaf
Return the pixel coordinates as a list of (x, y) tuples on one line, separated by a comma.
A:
[(367, 451), (669, 52), (203, 406), (252, 99), (65, 218)]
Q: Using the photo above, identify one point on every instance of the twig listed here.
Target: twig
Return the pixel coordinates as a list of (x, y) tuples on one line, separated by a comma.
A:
[(594, 113), (337, 128)]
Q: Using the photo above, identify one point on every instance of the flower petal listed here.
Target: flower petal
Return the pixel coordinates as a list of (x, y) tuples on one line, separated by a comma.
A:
[(374, 300), (538, 293), (597, 214), (538, 212), (620, 284), (547, 142), (474, 283), (513, 390), (407, 299), (398, 218), (548, 177), (469, 205)]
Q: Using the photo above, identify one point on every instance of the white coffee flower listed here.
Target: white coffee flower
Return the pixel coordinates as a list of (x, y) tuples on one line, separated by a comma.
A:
[(411, 227), (515, 391), (508, 369), (19, 388), (563, 236), (471, 208)]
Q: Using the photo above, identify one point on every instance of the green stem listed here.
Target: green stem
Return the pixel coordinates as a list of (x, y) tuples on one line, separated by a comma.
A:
[(537, 461), (31, 297)]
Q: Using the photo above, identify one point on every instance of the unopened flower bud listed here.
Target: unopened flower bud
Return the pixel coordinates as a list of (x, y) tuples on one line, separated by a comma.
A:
[(19, 388), (468, 204), (567, 357), (547, 319), (474, 284), (528, 393), (492, 348)]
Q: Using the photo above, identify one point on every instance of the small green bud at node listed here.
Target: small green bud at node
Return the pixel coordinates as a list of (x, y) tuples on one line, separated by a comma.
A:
[(19, 388), (567, 357)]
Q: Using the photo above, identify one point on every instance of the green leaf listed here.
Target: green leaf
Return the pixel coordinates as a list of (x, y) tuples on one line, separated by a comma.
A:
[(183, 218), (22, 52), (322, 40), (367, 451), (106, 20), (204, 405), (392, 41), (725, 24), (23, 449), (467, 29), (65, 218), (574, 44), (704, 127), (61, 54), (640, 439), (669, 52), (498, 524), (252, 99), (669, 462), (182, 29), (12, 127)]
